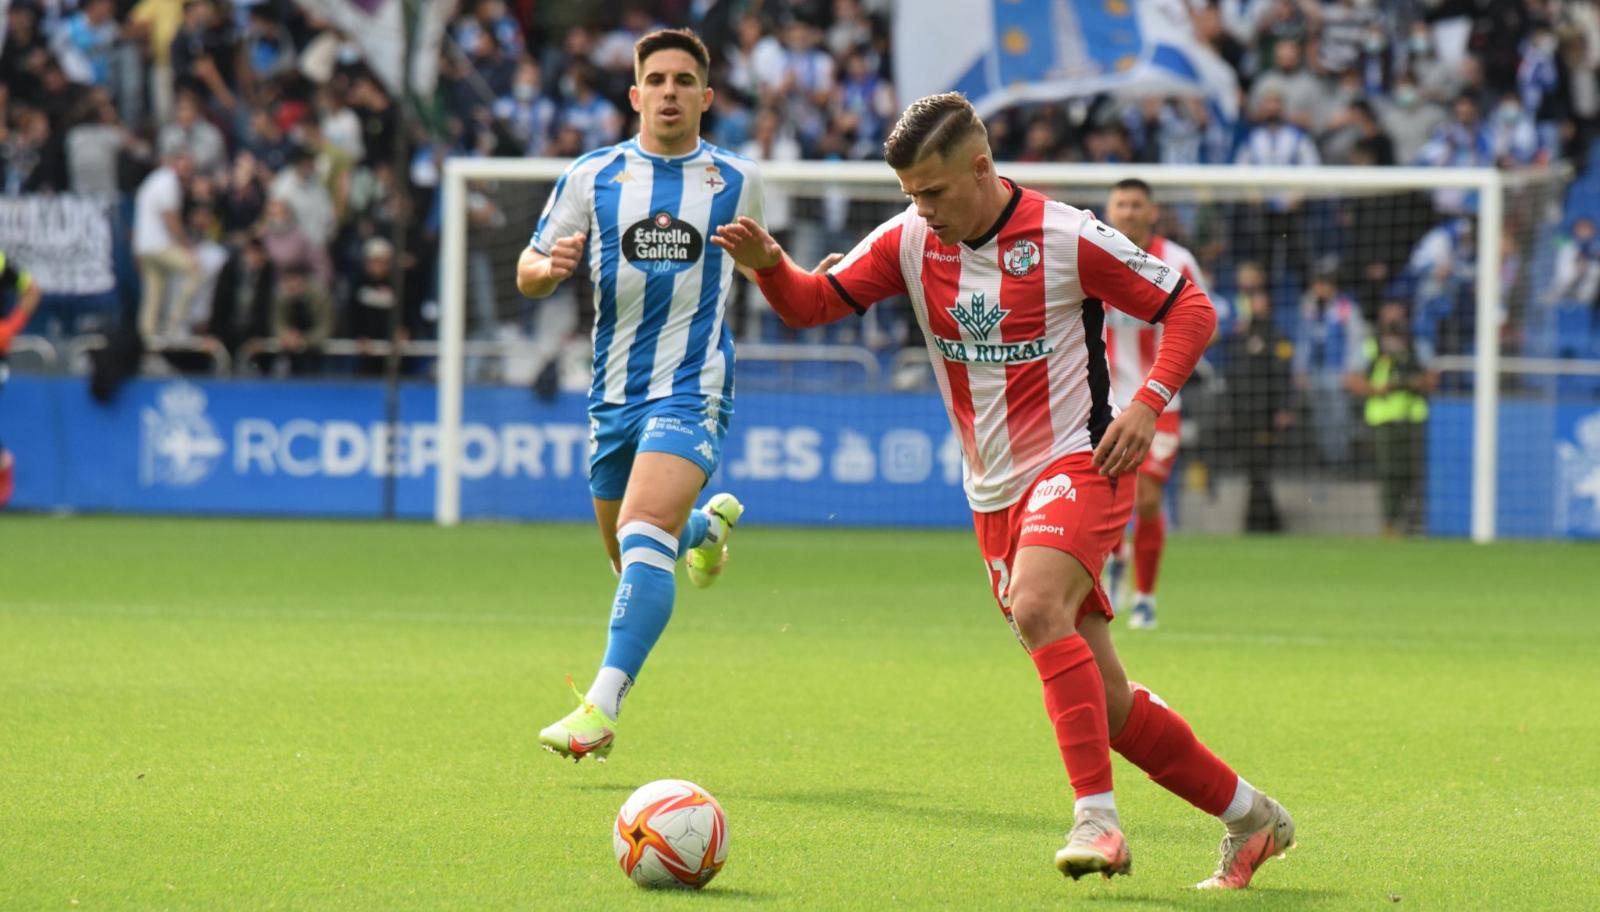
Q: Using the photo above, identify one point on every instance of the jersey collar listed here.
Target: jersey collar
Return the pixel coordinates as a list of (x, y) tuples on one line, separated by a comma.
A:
[(1005, 216), (699, 146)]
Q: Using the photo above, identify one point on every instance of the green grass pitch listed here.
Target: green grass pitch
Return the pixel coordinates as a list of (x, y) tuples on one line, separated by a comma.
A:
[(212, 714)]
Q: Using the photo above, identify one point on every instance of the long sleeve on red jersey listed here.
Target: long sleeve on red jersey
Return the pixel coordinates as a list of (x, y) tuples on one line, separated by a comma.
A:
[(801, 299), (10, 326), (1119, 273), (869, 273)]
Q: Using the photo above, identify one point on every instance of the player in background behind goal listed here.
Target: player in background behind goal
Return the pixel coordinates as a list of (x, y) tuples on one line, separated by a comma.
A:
[(1010, 288), (13, 278), (1131, 346), (663, 354)]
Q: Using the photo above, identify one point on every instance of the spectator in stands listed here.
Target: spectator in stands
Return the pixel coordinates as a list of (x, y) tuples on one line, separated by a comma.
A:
[(1357, 126), (1437, 79), (808, 79), (1575, 292), (490, 16), (302, 320), (1441, 271), (1461, 142), (756, 63), (1300, 92), (30, 155), (1256, 363), (242, 301), (24, 53), (302, 188), (527, 112), (493, 68), (266, 52), (288, 247), (1512, 136), (380, 119), (94, 150), (1273, 232), (202, 54), (163, 250), (1326, 344), (370, 305), (1409, 118), (267, 142), (84, 43), (192, 133), (586, 110), (1394, 378)]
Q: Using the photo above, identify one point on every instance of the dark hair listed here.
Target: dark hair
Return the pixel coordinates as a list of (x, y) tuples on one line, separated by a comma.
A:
[(1133, 183), (934, 125), (672, 40)]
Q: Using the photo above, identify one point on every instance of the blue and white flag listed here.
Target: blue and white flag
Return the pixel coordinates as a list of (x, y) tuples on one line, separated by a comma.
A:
[(1001, 52)]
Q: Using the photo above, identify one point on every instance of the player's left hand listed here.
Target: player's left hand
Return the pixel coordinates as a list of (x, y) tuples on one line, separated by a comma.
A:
[(1126, 441), (749, 243)]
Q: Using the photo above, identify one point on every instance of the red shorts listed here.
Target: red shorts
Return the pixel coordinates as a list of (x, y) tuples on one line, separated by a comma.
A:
[(1070, 507), (1163, 448)]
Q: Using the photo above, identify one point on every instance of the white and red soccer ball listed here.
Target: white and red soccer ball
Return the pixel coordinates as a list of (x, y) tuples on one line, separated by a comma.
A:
[(671, 833)]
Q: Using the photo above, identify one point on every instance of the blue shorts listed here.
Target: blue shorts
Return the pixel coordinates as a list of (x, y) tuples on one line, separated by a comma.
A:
[(689, 426)]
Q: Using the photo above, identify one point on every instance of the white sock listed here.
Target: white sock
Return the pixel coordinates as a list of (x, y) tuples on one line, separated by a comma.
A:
[(609, 687), (714, 530), (1146, 597), (1243, 796), (1100, 801)]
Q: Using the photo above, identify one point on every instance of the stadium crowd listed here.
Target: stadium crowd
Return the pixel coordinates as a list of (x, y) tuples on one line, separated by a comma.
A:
[(249, 154)]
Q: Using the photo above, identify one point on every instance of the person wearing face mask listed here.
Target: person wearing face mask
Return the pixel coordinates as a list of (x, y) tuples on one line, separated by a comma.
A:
[(529, 114), (1437, 79), (1408, 118), (1512, 136), (1395, 381)]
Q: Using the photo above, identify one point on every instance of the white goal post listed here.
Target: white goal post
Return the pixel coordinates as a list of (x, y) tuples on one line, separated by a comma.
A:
[(1488, 184)]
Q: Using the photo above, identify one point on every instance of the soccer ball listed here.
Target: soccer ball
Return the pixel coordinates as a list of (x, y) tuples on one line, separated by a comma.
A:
[(671, 833)]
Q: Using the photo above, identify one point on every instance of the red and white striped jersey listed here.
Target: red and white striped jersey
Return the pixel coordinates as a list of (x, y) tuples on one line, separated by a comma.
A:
[(1131, 343), (1015, 327)]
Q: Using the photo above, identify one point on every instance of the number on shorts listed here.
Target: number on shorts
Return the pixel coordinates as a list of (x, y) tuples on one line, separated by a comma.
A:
[(1002, 585)]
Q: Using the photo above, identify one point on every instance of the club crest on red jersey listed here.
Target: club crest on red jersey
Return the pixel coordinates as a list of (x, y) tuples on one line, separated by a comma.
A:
[(1021, 258)]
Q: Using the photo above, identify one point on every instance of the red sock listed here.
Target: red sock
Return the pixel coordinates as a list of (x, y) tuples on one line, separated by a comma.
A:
[(1076, 701), (1148, 537), (1158, 741)]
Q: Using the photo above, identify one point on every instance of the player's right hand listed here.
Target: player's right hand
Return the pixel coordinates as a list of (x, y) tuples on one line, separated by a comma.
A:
[(565, 254), (749, 244)]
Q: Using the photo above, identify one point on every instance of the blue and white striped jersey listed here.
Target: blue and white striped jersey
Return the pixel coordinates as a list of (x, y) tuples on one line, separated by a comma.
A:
[(661, 287)]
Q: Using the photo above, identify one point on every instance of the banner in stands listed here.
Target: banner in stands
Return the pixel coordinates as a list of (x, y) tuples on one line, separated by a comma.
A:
[(63, 241), (883, 459)]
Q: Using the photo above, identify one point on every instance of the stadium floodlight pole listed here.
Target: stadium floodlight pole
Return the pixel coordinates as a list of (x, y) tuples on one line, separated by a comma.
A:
[(1486, 376)]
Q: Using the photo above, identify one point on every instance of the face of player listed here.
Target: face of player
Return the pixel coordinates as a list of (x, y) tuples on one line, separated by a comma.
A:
[(670, 97), (1132, 213), (953, 194)]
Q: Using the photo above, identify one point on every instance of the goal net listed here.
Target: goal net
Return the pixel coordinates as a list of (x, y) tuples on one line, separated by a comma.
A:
[(1392, 356)]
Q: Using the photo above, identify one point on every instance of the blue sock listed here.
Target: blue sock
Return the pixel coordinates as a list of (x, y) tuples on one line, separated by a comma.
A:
[(644, 595), (694, 531)]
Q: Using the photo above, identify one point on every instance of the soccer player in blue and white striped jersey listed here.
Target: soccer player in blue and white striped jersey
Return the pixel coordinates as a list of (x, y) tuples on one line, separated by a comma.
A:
[(663, 353)]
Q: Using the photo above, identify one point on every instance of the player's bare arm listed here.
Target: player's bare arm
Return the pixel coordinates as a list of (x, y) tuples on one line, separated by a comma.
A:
[(538, 274)]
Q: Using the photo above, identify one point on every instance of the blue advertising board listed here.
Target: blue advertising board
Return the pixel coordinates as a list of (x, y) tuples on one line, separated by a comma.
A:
[(276, 448), (883, 459)]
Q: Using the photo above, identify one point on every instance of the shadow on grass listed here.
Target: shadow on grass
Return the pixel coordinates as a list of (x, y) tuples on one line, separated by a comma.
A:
[(1256, 897), (902, 805)]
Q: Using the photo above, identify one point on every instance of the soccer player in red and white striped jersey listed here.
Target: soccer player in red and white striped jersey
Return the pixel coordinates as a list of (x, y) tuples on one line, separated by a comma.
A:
[(1131, 346), (1011, 289)]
